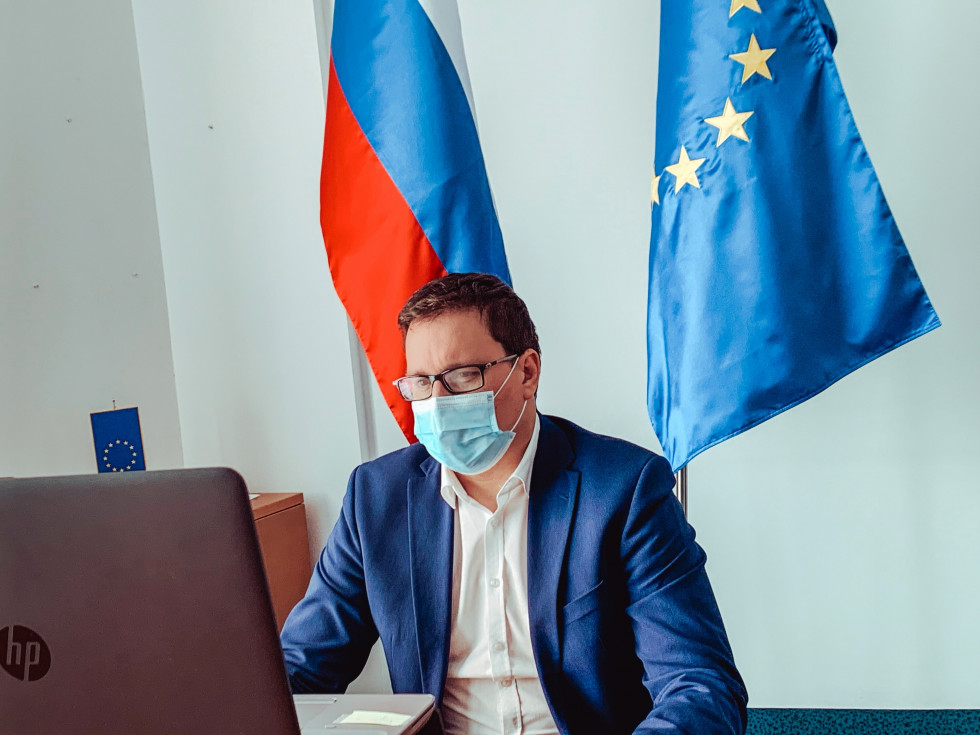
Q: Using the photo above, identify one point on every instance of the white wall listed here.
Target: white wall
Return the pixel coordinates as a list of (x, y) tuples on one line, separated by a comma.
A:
[(566, 94), (83, 313), (235, 113)]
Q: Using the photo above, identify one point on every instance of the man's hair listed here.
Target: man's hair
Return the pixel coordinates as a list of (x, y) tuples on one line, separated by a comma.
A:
[(502, 310)]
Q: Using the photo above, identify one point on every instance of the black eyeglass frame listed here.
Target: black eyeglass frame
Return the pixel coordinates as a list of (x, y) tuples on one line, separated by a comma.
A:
[(482, 367)]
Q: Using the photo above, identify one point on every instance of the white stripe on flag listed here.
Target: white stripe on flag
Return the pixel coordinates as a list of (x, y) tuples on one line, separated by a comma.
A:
[(444, 15)]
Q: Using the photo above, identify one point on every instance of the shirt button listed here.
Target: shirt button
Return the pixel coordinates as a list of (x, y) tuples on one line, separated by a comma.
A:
[(498, 646), (505, 682), (494, 523), (494, 582)]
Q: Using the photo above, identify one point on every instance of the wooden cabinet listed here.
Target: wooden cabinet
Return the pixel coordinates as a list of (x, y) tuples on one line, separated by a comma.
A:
[(280, 520)]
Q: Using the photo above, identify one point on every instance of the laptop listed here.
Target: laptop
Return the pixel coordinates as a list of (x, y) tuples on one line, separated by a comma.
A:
[(137, 603)]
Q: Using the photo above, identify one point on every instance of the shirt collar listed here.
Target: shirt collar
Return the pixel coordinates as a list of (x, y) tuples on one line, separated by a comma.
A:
[(451, 489)]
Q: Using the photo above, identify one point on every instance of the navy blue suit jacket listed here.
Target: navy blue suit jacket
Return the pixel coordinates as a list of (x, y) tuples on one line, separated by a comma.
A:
[(625, 629)]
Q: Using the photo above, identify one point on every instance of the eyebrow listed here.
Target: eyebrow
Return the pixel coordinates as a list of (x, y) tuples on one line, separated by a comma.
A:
[(453, 367)]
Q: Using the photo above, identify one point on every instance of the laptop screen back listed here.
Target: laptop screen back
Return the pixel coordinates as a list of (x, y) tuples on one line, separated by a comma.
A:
[(136, 603)]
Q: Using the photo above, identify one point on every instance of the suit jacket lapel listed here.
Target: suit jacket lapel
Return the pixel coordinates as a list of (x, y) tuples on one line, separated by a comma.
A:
[(430, 530), (554, 489)]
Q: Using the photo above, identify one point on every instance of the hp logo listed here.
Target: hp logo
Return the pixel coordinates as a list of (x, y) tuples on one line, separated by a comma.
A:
[(23, 653)]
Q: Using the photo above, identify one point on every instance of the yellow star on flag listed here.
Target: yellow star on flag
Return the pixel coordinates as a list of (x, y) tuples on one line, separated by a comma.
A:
[(655, 190), (683, 171), (729, 123), (739, 4), (753, 60)]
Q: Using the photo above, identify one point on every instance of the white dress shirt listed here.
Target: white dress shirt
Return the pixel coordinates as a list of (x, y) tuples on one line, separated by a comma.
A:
[(492, 685)]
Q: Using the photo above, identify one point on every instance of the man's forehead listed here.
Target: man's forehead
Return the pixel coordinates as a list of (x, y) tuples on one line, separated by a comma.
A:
[(449, 339), (451, 325)]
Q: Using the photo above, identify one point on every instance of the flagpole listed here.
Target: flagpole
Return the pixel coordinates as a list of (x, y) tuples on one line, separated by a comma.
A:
[(367, 433), (680, 490)]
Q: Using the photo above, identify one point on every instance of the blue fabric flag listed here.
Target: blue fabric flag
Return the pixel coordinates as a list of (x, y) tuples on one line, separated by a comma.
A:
[(776, 267), (118, 440)]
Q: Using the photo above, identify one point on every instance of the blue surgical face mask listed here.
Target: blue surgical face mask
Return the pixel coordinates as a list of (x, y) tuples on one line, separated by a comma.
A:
[(461, 431)]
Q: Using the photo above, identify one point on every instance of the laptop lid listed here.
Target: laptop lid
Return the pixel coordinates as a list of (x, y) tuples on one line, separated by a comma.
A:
[(136, 603)]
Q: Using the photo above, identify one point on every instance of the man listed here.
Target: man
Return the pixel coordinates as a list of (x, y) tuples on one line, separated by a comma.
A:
[(534, 577)]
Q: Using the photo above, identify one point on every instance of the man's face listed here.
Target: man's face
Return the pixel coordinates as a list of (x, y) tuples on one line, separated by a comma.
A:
[(461, 338)]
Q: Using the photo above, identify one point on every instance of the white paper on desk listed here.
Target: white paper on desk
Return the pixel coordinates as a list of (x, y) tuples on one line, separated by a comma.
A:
[(253, 496), (370, 717)]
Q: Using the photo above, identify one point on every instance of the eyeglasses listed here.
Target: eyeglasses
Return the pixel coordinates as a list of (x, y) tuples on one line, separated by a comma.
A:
[(462, 379)]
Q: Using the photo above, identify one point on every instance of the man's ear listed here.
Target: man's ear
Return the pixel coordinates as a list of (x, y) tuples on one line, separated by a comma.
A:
[(531, 373)]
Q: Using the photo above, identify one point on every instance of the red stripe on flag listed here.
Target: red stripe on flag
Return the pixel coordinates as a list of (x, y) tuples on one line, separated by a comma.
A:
[(377, 251)]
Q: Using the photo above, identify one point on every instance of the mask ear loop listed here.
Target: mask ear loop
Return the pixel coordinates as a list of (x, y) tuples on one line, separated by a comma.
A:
[(512, 368), (521, 414)]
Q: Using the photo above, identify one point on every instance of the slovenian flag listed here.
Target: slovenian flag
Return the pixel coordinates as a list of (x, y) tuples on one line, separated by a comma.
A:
[(404, 190)]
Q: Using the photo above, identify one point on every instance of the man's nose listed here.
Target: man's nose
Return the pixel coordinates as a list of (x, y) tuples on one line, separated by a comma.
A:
[(438, 389)]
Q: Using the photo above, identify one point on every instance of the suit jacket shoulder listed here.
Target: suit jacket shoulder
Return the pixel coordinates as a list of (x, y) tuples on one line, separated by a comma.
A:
[(380, 484), (605, 462)]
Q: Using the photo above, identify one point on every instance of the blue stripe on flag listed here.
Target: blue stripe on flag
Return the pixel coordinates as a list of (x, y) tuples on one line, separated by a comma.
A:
[(403, 89)]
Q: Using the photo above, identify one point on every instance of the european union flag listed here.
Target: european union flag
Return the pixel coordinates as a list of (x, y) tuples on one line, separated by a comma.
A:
[(776, 267), (118, 441)]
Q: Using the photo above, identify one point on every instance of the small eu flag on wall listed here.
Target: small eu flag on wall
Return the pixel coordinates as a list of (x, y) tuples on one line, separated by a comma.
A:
[(118, 441)]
